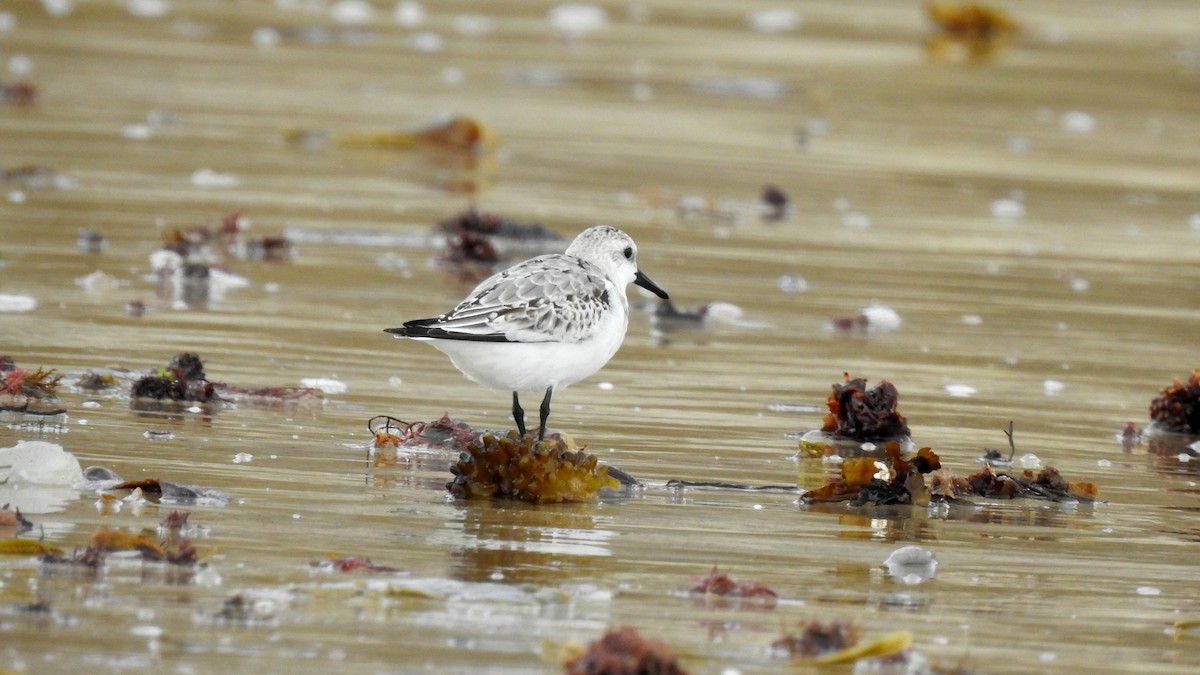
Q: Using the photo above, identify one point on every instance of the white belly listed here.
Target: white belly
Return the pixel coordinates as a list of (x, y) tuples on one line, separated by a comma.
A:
[(534, 366)]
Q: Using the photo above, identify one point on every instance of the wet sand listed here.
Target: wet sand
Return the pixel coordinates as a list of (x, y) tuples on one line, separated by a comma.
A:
[(1032, 220)]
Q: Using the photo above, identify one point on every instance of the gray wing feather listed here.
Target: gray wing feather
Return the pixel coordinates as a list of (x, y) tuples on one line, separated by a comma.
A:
[(548, 298)]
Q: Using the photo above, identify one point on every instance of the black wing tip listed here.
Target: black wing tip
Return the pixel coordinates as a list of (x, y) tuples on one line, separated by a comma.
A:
[(414, 328), (427, 328), (440, 334)]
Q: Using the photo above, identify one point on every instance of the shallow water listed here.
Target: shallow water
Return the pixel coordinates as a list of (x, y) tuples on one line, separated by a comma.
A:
[(1032, 219)]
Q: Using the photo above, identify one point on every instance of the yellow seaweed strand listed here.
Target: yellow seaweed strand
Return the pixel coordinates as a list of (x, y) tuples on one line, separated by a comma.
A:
[(27, 547), (880, 646)]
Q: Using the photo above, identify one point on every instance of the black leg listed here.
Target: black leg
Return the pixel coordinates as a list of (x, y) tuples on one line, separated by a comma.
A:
[(518, 415), (545, 412)]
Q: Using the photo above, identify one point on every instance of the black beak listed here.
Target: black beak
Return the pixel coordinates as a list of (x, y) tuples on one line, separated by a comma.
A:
[(644, 281)]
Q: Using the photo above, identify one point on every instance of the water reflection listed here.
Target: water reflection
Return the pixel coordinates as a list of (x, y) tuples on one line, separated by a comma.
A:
[(1047, 516), (543, 545), (889, 203), (903, 523), (417, 470), (1173, 453), (888, 524)]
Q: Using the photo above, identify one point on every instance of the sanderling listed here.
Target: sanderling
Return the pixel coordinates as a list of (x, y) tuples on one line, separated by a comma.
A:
[(542, 324)]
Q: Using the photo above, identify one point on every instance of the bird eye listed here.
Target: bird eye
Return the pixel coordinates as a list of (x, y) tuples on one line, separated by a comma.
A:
[(628, 253)]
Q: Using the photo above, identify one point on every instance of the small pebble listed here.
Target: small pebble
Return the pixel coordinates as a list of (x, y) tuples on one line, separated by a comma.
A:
[(473, 25), (776, 20), (791, 283), (137, 132), (1076, 122), (452, 76), (409, 14), (352, 12), (575, 20), (146, 631), (325, 384), (1019, 145), (960, 390), (911, 564), (1029, 461), (426, 42), (1007, 209), (20, 65), (59, 7), (880, 318), (266, 38), (147, 9), (17, 303), (855, 220), (207, 178)]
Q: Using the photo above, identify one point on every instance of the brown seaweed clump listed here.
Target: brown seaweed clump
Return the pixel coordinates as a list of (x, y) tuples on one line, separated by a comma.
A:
[(360, 564), (203, 244), (862, 414), (720, 585), (471, 240), (95, 382), (1177, 406), (178, 549), (817, 638), (894, 479), (444, 433), (880, 482), (1047, 484), (18, 93), (175, 548), (13, 523), (16, 381), (968, 31), (775, 203), (391, 435), (470, 247), (623, 651), (837, 642), (493, 225), (182, 380), (523, 468)]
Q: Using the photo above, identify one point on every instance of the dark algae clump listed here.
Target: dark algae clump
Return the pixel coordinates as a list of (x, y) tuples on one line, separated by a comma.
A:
[(1177, 406)]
